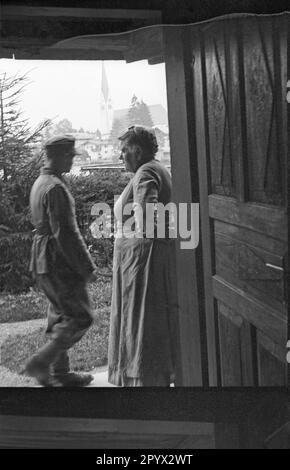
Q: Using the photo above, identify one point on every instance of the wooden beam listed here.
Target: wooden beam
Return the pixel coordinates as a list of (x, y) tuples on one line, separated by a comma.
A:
[(78, 54), (54, 432), (95, 41), (144, 43), (190, 360), (227, 436), (213, 405), (22, 12), (105, 425), (203, 165), (89, 47)]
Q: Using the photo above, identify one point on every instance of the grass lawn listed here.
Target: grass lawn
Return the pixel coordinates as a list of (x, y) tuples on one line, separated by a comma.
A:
[(87, 354), (18, 344), (33, 304), (11, 379)]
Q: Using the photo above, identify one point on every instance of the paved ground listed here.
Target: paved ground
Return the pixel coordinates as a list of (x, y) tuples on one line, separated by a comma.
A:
[(101, 378), (10, 379)]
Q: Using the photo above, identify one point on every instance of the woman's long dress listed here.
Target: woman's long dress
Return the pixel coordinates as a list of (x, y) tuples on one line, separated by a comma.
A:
[(143, 325)]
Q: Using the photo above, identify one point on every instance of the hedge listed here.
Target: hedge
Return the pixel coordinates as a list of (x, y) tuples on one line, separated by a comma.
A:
[(14, 262), (87, 190)]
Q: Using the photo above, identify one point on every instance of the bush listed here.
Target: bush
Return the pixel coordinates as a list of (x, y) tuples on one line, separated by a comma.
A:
[(101, 186), (14, 214), (14, 262), (16, 233), (14, 201)]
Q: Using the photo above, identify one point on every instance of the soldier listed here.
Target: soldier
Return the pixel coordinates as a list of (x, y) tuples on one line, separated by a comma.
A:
[(61, 265)]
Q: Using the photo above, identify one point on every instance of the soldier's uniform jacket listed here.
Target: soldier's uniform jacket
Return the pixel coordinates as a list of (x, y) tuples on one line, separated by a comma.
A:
[(58, 244)]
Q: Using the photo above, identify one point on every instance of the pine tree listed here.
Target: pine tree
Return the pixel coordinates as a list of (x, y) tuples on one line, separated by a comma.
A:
[(145, 115), (17, 139), (116, 131), (138, 113), (133, 116), (64, 126), (19, 162)]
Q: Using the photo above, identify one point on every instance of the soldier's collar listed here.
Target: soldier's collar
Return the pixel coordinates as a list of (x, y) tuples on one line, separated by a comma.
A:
[(50, 171)]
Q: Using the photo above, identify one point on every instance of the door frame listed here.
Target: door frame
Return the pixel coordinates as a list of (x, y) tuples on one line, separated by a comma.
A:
[(197, 359)]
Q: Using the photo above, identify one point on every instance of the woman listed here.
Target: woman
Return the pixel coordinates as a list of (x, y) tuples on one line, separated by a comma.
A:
[(143, 316)]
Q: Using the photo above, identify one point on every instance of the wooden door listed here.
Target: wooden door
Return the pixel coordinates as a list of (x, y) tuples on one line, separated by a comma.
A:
[(239, 83), (226, 86)]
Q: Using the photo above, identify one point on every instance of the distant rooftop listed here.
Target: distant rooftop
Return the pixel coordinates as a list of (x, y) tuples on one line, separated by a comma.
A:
[(157, 111), (83, 135)]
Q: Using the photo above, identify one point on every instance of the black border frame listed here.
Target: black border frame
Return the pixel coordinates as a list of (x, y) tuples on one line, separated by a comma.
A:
[(183, 404)]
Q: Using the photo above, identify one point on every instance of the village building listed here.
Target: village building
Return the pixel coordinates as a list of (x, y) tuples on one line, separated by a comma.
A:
[(97, 149)]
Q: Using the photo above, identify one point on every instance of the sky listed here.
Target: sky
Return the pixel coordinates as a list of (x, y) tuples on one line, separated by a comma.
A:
[(72, 89)]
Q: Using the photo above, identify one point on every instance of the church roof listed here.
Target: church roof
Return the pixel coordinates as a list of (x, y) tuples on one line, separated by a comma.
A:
[(157, 111)]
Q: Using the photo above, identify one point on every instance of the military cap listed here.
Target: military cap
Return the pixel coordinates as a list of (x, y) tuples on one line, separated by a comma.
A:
[(144, 135), (63, 139)]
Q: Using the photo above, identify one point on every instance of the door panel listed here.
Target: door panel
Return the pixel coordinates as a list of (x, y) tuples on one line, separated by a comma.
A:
[(261, 46), (236, 348), (270, 360), (246, 256), (222, 174), (239, 73)]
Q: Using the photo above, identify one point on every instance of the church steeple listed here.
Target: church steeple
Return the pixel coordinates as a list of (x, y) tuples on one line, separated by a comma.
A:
[(106, 111)]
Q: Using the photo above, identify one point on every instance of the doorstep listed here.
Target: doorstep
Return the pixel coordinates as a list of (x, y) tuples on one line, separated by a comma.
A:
[(100, 378)]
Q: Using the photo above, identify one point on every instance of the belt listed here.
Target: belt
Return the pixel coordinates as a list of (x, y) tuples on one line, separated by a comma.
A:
[(42, 230)]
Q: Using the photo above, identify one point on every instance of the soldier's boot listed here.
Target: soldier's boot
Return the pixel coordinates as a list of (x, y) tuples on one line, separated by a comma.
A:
[(39, 365), (61, 366), (73, 379), (69, 379)]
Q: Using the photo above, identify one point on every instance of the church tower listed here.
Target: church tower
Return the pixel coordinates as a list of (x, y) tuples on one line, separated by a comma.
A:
[(106, 106)]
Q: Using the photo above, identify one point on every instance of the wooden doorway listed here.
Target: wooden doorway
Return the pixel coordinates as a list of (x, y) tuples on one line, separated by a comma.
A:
[(228, 127), (227, 119), (239, 82)]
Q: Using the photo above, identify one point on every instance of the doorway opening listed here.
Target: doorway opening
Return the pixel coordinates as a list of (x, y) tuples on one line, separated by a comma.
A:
[(94, 102)]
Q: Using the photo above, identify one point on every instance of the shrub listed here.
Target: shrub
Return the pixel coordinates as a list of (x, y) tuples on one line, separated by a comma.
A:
[(89, 190), (14, 200), (101, 186), (14, 216), (14, 262)]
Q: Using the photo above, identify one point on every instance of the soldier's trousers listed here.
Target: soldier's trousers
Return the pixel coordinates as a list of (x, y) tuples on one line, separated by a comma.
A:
[(69, 317)]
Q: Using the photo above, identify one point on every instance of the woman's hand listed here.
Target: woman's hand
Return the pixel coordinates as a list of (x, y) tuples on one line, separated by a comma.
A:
[(93, 276)]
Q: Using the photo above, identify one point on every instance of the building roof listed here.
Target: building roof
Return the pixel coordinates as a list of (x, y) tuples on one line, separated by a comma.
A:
[(162, 128), (85, 136), (157, 111)]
